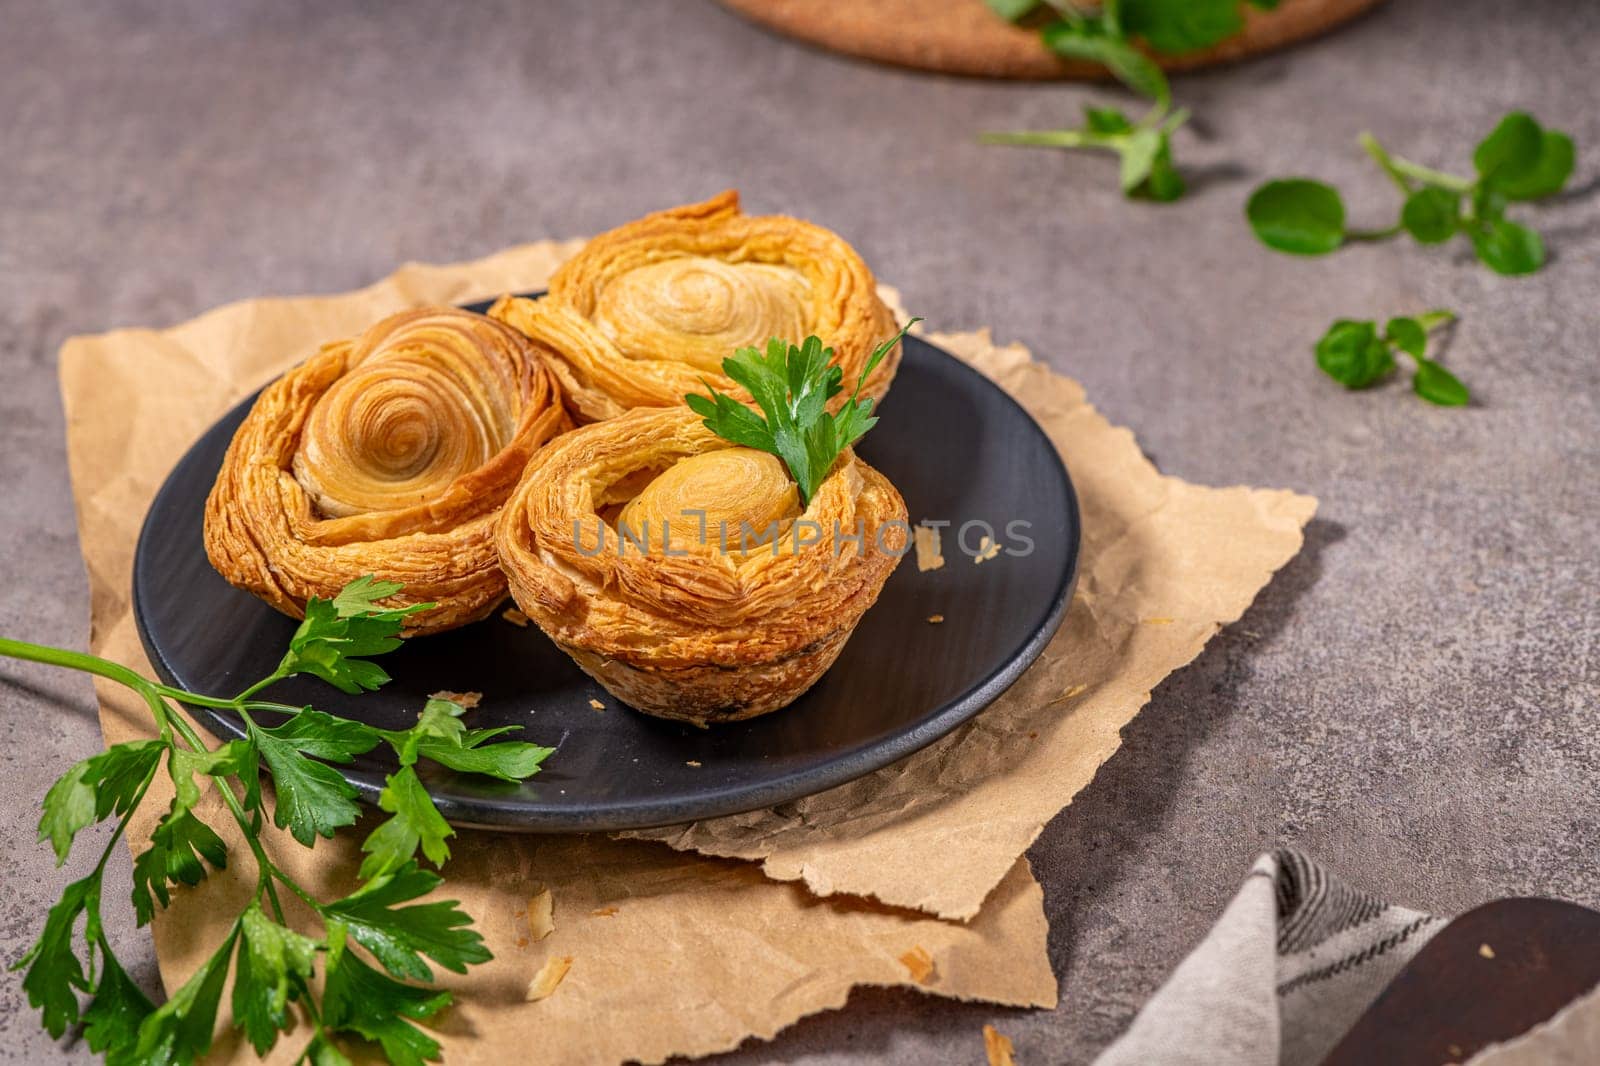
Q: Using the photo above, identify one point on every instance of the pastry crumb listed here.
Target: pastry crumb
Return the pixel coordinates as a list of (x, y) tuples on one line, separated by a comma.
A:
[(935, 619), (919, 964), (997, 1047), (926, 540), (515, 617), (466, 700), (602, 912), (549, 976), (693, 762), (987, 549), (541, 914), (1072, 693), (1486, 951), (597, 705)]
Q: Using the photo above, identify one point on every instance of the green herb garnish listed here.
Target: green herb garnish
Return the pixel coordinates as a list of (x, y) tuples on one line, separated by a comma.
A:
[(1112, 35), (73, 977), (792, 386), (1520, 160), (1357, 356)]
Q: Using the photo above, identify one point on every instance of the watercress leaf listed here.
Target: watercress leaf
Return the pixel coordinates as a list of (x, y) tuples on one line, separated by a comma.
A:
[(1511, 152), (1107, 120), (1507, 247), (94, 789), (1165, 183), (1353, 354), (313, 799), (1297, 215), (358, 999), (1125, 62), (1557, 157), (1408, 335), (1138, 151), (1012, 10), (1431, 214), (1438, 386), (1432, 320), (179, 1031), (54, 975), (112, 1019), (1265, 5), (399, 937), (1174, 27), (416, 821), (274, 965), (177, 845)]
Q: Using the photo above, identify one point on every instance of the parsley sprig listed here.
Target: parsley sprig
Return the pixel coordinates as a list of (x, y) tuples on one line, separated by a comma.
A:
[(1357, 355), (1120, 35), (72, 975), (792, 386), (1518, 161)]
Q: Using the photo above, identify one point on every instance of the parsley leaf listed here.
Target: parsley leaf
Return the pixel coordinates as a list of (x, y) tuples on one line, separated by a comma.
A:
[(118, 1008), (357, 998), (179, 1031), (95, 788), (336, 636), (792, 386), (313, 799), (416, 822), (54, 974), (274, 965), (398, 936), (178, 844)]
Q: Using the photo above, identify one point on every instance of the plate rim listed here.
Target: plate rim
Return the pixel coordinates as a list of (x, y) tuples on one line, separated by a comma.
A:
[(520, 815)]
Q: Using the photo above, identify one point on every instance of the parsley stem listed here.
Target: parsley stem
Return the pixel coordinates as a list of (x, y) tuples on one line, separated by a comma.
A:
[(272, 678)]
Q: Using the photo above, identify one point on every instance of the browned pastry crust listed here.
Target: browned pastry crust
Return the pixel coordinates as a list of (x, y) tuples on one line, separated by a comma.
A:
[(647, 312), (390, 454), (710, 635)]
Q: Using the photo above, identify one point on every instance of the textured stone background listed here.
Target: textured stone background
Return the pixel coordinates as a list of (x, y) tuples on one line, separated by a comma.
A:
[(1412, 700)]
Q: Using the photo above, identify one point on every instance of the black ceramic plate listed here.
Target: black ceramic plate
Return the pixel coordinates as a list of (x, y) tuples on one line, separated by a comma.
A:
[(958, 449)]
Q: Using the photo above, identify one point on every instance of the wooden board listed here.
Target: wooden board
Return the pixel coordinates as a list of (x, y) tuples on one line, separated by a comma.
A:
[(965, 37)]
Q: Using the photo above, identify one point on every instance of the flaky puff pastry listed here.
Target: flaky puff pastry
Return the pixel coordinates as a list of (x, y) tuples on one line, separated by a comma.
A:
[(390, 454), (648, 312), (724, 627)]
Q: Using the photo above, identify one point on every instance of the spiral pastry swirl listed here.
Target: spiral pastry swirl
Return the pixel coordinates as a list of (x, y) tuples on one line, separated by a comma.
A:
[(390, 454), (648, 312), (723, 626)]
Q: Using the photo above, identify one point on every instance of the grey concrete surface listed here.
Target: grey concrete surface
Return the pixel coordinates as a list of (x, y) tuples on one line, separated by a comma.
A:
[(1412, 700)]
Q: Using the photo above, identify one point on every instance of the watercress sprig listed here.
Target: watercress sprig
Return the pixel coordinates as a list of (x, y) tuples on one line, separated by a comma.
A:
[(74, 977), (1120, 35), (1518, 161), (1357, 355), (792, 386)]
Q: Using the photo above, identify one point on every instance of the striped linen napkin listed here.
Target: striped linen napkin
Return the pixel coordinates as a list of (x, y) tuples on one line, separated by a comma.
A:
[(1287, 969)]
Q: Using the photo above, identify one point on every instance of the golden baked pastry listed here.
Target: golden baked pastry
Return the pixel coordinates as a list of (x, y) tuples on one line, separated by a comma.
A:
[(389, 454), (647, 312), (723, 626)]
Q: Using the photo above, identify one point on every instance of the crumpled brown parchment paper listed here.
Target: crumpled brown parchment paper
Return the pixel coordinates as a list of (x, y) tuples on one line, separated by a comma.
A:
[(702, 952)]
